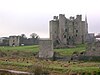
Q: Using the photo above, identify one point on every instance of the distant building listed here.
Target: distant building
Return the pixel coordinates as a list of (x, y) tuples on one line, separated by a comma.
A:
[(14, 40), (64, 31), (29, 41), (4, 41), (18, 41), (1, 40)]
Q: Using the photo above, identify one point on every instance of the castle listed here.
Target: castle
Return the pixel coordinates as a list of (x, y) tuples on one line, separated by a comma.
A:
[(20, 41), (67, 32)]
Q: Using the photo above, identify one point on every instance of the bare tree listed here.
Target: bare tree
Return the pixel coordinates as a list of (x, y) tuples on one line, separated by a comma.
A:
[(34, 35), (23, 36)]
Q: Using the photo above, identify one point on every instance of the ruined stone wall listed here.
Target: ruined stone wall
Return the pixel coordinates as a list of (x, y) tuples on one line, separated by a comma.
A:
[(78, 29), (70, 31), (84, 34), (93, 49), (54, 26), (14, 41), (90, 38), (46, 48)]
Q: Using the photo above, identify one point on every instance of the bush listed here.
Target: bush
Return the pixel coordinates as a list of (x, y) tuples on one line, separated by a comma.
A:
[(39, 69)]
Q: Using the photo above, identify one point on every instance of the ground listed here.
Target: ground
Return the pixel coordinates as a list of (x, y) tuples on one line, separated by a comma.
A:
[(24, 58)]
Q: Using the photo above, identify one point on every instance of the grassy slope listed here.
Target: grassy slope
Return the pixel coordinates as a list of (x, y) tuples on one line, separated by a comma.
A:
[(56, 65), (69, 51), (34, 48)]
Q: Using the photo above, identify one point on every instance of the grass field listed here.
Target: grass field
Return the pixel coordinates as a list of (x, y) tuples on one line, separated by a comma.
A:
[(69, 51), (22, 58), (34, 48)]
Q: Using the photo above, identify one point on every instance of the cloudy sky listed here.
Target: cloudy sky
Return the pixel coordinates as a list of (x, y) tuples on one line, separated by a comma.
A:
[(33, 16)]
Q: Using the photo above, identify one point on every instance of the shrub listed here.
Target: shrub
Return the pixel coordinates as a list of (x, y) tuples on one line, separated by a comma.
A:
[(39, 69)]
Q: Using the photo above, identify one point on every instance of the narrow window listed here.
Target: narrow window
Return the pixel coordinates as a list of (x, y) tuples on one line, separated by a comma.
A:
[(57, 42), (65, 30), (69, 37), (13, 40), (73, 23), (64, 36), (76, 31)]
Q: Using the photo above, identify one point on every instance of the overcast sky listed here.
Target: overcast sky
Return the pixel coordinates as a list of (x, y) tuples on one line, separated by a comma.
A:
[(33, 16)]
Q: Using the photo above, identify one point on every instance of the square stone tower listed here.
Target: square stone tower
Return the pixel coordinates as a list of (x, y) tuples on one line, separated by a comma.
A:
[(14, 40), (64, 31)]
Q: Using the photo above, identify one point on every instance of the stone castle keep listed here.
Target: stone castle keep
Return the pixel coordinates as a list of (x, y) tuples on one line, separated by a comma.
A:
[(65, 32)]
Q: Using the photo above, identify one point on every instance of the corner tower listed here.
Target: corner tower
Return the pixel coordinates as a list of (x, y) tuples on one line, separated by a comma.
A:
[(54, 30)]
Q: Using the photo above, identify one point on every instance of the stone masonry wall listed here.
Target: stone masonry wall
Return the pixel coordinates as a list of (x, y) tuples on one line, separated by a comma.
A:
[(46, 48)]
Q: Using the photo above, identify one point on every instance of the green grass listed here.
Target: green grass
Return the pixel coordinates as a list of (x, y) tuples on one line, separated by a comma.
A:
[(33, 48), (69, 51), (56, 65), (15, 63), (84, 69)]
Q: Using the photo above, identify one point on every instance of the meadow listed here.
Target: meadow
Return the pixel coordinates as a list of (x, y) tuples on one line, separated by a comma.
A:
[(24, 58)]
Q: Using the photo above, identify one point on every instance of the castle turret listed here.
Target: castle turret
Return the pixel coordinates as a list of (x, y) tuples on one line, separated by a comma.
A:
[(62, 23), (54, 27), (79, 17), (55, 17), (86, 24), (86, 28)]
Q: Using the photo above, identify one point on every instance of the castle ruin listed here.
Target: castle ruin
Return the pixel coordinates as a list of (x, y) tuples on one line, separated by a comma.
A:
[(66, 32), (46, 48), (14, 40)]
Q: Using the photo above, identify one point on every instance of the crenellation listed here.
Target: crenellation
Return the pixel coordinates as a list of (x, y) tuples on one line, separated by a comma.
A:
[(72, 18), (79, 17), (55, 17)]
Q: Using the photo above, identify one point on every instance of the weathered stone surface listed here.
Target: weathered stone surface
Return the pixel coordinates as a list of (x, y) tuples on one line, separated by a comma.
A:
[(14, 41), (93, 49), (90, 38), (46, 48)]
